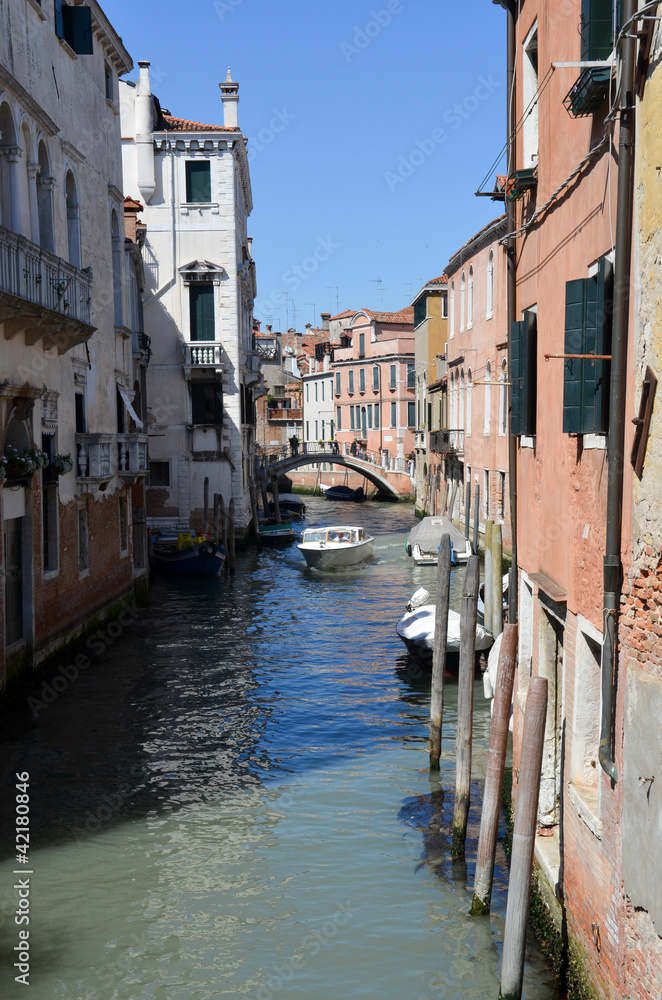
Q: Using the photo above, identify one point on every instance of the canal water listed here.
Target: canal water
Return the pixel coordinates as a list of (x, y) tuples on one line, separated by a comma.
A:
[(233, 799)]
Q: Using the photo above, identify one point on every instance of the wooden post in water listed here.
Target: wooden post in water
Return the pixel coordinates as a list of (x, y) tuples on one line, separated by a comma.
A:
[(254, 518), (497, 587), (465, 705), (467, 510), (223, 518), (496, 762), (215, 518), (205, 511), (231, 536), (274, 493), (439, 652), (442, 509), (526, 813), (451, 506), (476, 517), (263, 491), (487, 589)]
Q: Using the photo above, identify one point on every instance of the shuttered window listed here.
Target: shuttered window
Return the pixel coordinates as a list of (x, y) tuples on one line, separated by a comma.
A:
[(524, 375), (597, 27), (202, 312), (337, 383), (588, 317), (74, 26), (198, 181), (207, 402)]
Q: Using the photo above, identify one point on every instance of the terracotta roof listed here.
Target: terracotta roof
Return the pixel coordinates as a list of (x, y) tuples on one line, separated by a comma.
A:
[(173, 124), (403, 316), (441, 280), (130, 204), (347, 312)]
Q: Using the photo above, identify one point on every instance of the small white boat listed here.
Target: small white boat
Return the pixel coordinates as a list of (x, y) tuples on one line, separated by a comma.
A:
[(335, 547), (425, 538), (416, 628)]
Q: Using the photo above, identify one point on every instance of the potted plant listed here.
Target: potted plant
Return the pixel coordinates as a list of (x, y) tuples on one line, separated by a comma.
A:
[(23, 464), (61, 464)]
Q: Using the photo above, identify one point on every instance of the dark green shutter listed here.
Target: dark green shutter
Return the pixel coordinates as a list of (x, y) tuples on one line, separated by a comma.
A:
[(362, 345), (77, 29), (516, 336), (420, 311), (524, 375), (202, 312), (198, 182), (587, 331), (207, 402), (597, 28)]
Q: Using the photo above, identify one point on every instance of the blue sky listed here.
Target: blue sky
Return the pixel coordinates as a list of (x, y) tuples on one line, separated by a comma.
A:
[(371, 124)]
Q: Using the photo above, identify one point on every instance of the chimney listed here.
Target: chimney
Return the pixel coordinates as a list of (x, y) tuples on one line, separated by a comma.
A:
[(325, 320), (230, 99), (131, 209), (144, 133)]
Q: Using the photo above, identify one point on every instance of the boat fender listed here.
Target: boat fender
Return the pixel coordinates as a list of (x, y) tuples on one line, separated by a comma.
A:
[(208, 549), (408, 547), (487, 686)]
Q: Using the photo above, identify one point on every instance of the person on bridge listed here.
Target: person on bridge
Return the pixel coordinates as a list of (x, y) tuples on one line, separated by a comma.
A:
[(352, 449), (294, 445), (336, 449)]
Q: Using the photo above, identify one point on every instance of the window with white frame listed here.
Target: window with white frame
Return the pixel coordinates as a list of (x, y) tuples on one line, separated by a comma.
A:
[(467, 422), (488, 397), (490, 285), (529, 94), (451, 321), (503, 398), (460, 409), (470, 298), (463, 284)]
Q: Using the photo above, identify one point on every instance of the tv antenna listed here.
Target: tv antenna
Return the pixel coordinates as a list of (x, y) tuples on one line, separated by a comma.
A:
[(331, 288), (378, 281), (314, 311)]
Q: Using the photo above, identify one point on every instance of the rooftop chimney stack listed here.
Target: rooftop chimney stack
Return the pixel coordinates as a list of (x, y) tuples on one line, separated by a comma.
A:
[(230, 99), (325, 320), (144, 133)]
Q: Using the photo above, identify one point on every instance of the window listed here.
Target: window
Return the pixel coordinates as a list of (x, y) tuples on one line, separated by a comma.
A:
[(307, 430), (322, 385), (118, 252), (338, 388), (470, 383), (588, 318), (307, 392), (159, 473), (597, 28), (322, 434), (108, 78), (462, 291), (351, 418), (530, 90), (451, 320), (45, 185), (486, 493), (362, 345), (350, 386), (362, 380), (201, 298), (586, 720), (317, 430), (198, 181), (420, 310), (339, 417), (392, 382), (316, 391), (74, 26), (503, 398), (470, 299), (73, 218), (81, 422), (394, 414), (411, 414), (120, 410), (124, 525), (502, 495), (375, 377), (377, 416), (83, 541), (523, 375), (490, 285), (49, 509), (369, 409), (411, 376), (207, 402), (460, 423), (364, 422), (488, 397), (444, 305)]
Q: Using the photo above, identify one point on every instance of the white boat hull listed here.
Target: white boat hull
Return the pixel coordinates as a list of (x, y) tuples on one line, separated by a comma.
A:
[(416, 629), (423, 558), (335, 555)]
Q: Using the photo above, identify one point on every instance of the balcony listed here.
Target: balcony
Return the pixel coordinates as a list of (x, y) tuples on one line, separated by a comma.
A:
[(282, 413), (131, 457), (42, 295), (94, 461), (203, 355), (588, 92), (421, 438), (142, 347), (447, 442)]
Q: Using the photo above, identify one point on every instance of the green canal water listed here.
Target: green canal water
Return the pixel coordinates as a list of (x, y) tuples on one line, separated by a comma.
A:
[(233, 800)]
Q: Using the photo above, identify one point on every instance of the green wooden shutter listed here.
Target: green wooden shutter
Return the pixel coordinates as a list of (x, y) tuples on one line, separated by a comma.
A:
[(587, 331), (202, 312), (524, 375), (516, 336), (198, 181), (77, 29), (597, 28)]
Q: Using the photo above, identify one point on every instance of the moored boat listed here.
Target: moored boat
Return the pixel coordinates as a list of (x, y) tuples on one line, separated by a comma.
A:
[(272, 531), (344, 493), (291, 503), (416, 629), (425, 538), (336, 547), (187, 554)]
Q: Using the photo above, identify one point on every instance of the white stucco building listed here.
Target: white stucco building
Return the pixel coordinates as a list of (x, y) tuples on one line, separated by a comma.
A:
[(318, 410), (193, 180)]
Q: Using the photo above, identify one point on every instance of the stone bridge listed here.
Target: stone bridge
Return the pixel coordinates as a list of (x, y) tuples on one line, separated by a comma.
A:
[(275, 466)]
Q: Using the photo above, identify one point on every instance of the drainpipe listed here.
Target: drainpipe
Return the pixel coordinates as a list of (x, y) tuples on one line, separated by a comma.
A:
[(615, 448), (511, 7)]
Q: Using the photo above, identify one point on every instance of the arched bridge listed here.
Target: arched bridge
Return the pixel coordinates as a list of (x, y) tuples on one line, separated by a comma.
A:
[(276, 466)]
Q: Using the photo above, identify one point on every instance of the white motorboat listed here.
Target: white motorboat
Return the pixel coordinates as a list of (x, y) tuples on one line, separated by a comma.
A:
[(425, 538), (336, 547), (416, 628)]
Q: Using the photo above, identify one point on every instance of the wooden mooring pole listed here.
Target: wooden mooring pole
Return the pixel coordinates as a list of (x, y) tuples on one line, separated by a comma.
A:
[(205, 510), (487, 588), (467, 511), (497, 586), (496, 762), (254, 518), (275, 495), (442, 509), (451, 506), (476, 517), (465, 705), (215, 518), (526, 813), (263, 492), (223, 518), (439, 652), (231, 536)]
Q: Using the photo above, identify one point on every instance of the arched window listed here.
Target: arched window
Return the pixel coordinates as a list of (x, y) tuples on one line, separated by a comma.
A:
[(470, 299), (467, 422), (9, 171), (488, 396), (28, 188), (45, 184), (460, 414), (452, 402), (462, 288), (451, 321), (117, 267), (503, 398), (490, 285), (73, 219)]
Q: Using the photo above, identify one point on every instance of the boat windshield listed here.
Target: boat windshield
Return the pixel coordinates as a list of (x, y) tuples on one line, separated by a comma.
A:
[(315, 535)]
